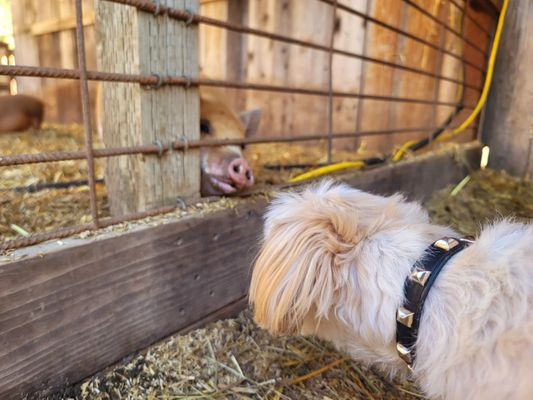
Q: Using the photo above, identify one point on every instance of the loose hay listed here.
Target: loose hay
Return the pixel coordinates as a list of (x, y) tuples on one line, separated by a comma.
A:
[(233, 359), (51, 209), (48, 209), (488, 195)]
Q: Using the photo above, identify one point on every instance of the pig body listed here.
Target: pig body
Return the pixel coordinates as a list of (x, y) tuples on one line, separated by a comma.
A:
[(20, 112), (224, 169)]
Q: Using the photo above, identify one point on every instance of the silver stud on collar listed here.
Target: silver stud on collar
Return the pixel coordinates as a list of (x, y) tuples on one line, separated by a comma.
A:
[(405, 316), (404, 353), (446, 243), (420, 276)]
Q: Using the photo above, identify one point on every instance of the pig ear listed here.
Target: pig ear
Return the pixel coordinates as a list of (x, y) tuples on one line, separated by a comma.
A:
[(251, 120)]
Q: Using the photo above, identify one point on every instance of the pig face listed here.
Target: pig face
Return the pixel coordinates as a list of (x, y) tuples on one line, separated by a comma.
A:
[(224, 169)]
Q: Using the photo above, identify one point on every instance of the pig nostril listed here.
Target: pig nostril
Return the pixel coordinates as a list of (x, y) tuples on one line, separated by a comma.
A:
[(236, 169), (249, 175)]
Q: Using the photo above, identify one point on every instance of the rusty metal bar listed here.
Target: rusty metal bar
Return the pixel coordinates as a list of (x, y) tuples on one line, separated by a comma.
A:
[(65, 232), (43, 237), (362, 77), (86, 111), (182, 81), (19, 159), (393, 29), (136, 216), (64, 73), (330, 82), (439, 64), (184, 15), (445, 26)]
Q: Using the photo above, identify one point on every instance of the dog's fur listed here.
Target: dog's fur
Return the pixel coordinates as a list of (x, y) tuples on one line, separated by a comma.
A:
[(333, 264)]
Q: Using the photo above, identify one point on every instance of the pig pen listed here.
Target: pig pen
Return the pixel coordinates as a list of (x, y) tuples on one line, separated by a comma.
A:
[(234, 359)]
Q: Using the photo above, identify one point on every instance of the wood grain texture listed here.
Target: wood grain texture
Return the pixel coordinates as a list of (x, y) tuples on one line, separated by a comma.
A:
[(45, 36), (74, 311), (135, 42), (508, 126)]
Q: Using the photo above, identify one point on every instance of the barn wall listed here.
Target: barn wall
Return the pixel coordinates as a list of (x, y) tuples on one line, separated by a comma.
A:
[(45, 36), (44, 33), (5, 53), (261, 60), (509, 119)]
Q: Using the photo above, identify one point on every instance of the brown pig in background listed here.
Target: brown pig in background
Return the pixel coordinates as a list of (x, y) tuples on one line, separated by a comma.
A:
[(224, 169), (20, 112)]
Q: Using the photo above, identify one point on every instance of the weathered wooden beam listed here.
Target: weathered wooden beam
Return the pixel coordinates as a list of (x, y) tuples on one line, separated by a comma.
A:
[(56, 25), (131, 41), (73, 312), (27, 48), (508, 128), (85, 305)]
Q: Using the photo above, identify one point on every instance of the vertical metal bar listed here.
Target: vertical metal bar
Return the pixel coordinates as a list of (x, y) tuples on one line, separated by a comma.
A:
[(525, 173), (330, 82), (362, 77), (398, 74), (82, 65), (440, 57)]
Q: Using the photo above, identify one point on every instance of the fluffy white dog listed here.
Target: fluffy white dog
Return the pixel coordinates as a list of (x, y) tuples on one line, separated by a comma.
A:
[(333, 264)]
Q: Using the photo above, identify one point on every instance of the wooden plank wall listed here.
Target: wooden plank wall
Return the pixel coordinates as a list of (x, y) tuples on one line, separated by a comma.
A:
[(69, 312), (45, 35), (43, 31), (273, 62), (509, 123)]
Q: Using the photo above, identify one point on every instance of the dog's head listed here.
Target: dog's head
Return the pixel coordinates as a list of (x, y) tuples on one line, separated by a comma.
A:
[(318, 259)]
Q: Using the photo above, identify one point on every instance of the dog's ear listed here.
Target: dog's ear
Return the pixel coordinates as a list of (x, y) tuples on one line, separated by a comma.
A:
[(304, 260)]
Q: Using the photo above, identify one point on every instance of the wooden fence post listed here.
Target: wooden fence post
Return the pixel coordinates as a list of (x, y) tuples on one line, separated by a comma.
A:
[(508, 127), (131, 41)]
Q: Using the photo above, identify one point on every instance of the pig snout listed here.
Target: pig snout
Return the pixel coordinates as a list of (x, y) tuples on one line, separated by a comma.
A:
[(240, 173), (225, 173)]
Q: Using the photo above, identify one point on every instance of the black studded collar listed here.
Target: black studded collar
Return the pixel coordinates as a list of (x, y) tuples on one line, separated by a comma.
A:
[(417, 286)]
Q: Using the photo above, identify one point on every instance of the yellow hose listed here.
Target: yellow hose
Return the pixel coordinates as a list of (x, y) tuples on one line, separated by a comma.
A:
[(446, 135), (402, 150), (327, 169), (488, 78)]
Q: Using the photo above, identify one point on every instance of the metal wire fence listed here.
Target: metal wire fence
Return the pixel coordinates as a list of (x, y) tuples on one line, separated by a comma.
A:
[(157, 9)]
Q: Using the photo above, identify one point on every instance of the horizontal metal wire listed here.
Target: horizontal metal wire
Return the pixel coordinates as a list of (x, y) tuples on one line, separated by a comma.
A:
[(65, 232), (399, 31), (184, 15), (75, 230), (43, 237), (19, 159), (12, 70), (446, 27)]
